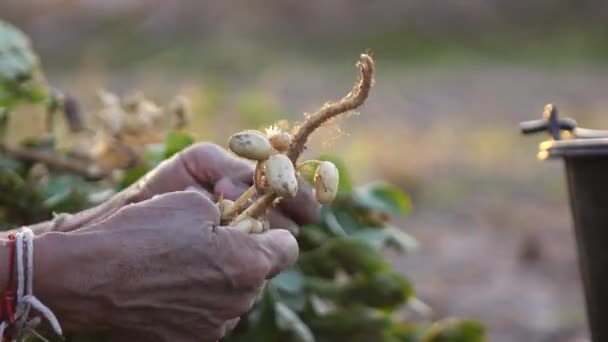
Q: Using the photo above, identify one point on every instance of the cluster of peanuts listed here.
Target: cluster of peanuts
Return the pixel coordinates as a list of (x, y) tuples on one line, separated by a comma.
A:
[(275, 173)]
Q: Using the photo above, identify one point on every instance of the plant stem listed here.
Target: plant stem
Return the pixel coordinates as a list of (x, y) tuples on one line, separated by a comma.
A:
[(91, 172), (258, 208), (239, 204), (351, 101)]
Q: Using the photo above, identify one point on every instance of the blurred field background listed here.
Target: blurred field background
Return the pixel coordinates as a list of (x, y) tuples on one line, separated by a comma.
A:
[(453, 81)]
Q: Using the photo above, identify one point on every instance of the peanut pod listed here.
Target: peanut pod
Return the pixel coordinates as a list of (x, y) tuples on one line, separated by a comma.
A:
[(326, 182), (280, 141), (281, 176), (249, 225), (251, 145)]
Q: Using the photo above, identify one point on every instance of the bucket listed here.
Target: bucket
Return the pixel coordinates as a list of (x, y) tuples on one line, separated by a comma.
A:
[(585, 156)]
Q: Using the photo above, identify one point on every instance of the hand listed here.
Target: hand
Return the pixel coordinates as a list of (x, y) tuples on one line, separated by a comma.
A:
[(212, 170), (209, 169), (158, 270)]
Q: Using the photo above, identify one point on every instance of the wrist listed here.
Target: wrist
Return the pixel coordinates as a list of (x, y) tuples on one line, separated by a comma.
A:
[(61, 264), (69, 222)]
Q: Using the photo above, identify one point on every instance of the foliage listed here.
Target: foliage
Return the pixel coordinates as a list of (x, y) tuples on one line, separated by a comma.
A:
[(341, 287)]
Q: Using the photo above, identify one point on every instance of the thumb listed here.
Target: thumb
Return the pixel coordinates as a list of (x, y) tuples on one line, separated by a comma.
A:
[(279, 247)]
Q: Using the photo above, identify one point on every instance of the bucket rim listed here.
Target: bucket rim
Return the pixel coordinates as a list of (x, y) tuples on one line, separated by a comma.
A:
[(591, 147)]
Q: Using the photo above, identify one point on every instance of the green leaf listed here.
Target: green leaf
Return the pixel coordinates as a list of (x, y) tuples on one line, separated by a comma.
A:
[(383, 197), (345, 183), (290, 281), (355, 324), (131, 176), (311, 237), (289, 321), (455, 330), (307, 170), (388, 237), (17, 60), (20, 73), (386, 291), (261, 323), (353, 255), (348, 218), (35, 93), (10, 163), (66, 193), (177, 141), (407, 332), (331, 222)]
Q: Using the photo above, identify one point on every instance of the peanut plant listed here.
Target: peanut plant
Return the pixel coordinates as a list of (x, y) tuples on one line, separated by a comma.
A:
[(341, 287)]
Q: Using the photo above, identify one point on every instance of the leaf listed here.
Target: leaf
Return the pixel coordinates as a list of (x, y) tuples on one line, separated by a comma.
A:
[(383, 197), (351, 324), (262, 320), (353, 255), (331, 222), (386, 291), (12, 164), (17, 60), (20, 75), (19, 199), (308, 169), (35, 93), (345, 183), (311, 237), (177, 141), (455, 330), (388, 237), (348, 218), (289, 321), (132, 175), (407, 332), (66, 193), (290, 281)]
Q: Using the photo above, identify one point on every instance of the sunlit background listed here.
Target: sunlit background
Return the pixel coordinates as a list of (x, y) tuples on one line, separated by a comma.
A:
[(453, 81)]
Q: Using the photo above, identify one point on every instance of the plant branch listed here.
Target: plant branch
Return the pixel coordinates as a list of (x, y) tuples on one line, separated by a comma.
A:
[(351, 101), (239, 204), (91, 172)]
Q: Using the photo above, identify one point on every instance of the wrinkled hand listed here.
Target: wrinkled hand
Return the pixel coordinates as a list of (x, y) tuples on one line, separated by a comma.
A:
[(212, 170), (159, 270), (209, 169)]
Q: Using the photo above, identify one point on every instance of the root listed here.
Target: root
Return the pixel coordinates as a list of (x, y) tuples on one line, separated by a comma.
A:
[(348, 103), (351, 101)]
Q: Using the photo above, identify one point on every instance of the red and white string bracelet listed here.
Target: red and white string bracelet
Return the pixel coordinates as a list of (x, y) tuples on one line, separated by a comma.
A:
[(17, 304)]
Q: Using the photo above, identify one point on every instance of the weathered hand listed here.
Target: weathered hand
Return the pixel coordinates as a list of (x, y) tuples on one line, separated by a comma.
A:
[(158, 270), (212, 170), (209, 169)]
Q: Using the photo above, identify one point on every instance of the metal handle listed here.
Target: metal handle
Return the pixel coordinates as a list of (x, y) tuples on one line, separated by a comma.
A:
[(553, 125), (585, 133), (542, 125)]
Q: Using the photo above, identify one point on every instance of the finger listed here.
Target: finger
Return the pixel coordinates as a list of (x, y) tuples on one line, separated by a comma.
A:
[(171, 175), (229, 188), (208, 163), (280, 249), (176, 206), (201, 190), (277, 219), (230, 325), (303, 208)]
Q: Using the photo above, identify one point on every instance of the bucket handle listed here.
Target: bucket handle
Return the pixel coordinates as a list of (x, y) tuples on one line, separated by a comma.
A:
[(551, 123)]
